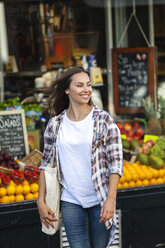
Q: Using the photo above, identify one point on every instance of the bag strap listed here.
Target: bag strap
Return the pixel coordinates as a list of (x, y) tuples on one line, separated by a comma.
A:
[(52, 163), (54, 148)]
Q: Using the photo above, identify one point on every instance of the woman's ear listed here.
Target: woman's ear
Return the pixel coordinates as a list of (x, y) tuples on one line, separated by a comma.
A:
[(67, 91)]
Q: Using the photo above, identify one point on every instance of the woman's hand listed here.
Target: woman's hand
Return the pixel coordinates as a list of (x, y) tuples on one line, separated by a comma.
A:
[(47, 216), (107, 210), (108, 207)]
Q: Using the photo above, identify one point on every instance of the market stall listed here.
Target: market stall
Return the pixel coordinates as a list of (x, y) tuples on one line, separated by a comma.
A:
[(67, 41)]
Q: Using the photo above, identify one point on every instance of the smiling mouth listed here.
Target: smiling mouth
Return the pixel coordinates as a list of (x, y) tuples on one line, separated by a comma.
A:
[(85, 96)]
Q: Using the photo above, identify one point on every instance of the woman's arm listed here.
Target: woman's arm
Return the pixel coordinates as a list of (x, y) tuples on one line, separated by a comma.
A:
[(114, 154), (46, 214), (108, 207)]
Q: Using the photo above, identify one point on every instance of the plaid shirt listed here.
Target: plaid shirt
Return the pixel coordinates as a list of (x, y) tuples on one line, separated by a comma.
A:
[(107, 156)]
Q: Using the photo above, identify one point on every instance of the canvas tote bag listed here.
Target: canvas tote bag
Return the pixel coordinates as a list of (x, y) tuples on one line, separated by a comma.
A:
[(53, 196)]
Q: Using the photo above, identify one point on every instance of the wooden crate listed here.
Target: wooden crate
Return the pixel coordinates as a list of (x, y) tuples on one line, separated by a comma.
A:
[(33, 158), (6, 170)]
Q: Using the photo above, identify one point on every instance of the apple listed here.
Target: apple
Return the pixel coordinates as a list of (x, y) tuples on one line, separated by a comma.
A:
[(136, 126), (127, 126), (131, 133), (140, 132)]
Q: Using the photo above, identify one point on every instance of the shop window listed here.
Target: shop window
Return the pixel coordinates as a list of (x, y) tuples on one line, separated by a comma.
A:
[(42, 30)]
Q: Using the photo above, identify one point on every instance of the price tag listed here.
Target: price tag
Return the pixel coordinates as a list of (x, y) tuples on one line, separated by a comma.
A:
[(123, 136), (96, 76), (150, 137)]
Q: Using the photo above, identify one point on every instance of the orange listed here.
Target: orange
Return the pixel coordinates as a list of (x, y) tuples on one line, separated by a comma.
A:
[(132, 184), (155, 173), (26, 189), (36, 195), (126, 163), (5, 199), (19, 197), (148, 175), (34, 187), (29, 196), (161, 172), (10, 190), (2, 191), (134, 177), (119, 185), (142, 176), (139, 183), (131, 170), (18, 189), (125, 185), (160, 180), (122, 179), (12, 198), (128, 177), (153, 181), (145, 182)]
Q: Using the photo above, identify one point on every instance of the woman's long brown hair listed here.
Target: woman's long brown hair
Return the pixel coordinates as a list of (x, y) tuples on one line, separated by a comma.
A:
[(57, 99)]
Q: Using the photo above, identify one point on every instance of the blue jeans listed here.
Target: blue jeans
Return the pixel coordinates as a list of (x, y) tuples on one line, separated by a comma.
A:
[(82, 226)]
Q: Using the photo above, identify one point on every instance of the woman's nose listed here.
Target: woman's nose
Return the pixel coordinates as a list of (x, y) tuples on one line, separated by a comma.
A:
[(85, 88)]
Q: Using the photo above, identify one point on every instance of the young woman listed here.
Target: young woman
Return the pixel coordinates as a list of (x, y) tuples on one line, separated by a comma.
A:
[(89, 160)]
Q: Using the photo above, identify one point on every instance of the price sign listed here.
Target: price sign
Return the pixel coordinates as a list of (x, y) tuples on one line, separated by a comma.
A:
[(133, 78), (150, 137), (13, 133)]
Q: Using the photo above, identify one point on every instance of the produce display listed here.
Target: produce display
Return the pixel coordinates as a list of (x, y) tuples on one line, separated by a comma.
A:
[(155, 116), (144, 162), (15, 103), (148, 167), (152, 116), (153, 153), (32, 111), (137, 174), (17, 183), (132, 130)]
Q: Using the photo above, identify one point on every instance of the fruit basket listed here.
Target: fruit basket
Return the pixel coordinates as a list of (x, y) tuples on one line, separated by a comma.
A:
[(34, 158), (132, 129)]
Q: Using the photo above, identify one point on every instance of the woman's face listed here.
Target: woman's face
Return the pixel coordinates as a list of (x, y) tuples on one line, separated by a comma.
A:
[(80, 89)]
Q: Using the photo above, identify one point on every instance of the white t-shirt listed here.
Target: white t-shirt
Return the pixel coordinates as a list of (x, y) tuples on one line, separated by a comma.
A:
[(75, 150)]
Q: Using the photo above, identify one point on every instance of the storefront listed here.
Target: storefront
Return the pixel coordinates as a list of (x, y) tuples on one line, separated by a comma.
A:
[(123, 44)]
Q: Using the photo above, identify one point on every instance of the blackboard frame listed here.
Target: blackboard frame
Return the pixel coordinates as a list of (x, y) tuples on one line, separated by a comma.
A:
[(115, 53), (22, 114)]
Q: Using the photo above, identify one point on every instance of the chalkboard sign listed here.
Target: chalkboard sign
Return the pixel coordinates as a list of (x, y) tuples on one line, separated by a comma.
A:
[(133, 78), (13, 133)]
